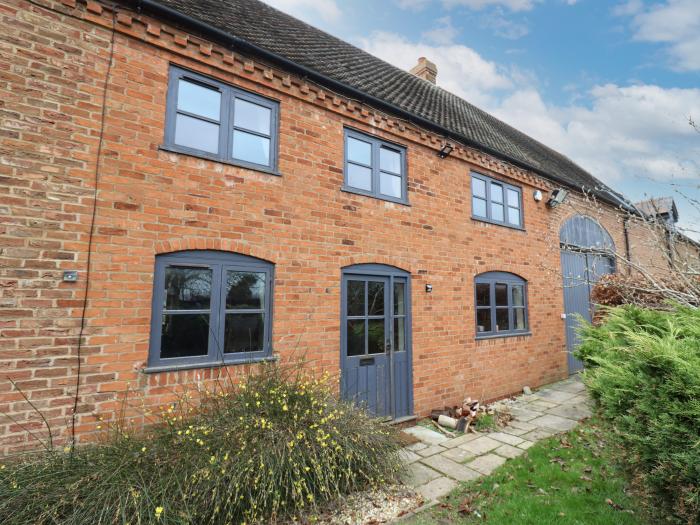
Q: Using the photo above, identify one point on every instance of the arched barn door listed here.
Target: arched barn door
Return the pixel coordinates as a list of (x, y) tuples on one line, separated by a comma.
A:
[(586, 250)]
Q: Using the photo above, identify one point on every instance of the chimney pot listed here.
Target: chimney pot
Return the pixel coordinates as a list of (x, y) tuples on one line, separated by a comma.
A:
[(425, 69)]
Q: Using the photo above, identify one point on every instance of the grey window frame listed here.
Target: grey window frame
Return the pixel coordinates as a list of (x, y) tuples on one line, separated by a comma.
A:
[(219, 262), (509, 279), (226, 127), (376, 144), (488, 181)]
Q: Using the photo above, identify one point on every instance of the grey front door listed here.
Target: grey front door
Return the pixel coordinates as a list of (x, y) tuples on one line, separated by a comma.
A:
[(580, 272), (375, 342)]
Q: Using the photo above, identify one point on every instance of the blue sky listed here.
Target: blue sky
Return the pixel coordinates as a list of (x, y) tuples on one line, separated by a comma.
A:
[(611, 84)]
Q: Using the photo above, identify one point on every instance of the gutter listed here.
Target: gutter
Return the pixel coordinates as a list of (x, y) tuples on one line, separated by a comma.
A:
[(623, 204), (215, 33)]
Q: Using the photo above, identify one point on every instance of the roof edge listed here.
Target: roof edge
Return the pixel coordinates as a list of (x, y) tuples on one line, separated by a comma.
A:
[(175, 16)]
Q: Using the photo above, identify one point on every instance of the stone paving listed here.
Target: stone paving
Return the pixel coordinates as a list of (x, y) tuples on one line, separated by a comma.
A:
[(437, 463)]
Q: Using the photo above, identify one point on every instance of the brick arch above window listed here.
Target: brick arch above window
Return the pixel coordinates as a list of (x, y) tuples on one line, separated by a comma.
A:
[(516, 271), (222, 245), (395, 262), (500, 274)]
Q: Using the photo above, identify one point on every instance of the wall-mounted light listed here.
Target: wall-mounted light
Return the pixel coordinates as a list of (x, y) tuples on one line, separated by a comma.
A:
[(445, 150), (557, 197), (429, 288), (537, 195)]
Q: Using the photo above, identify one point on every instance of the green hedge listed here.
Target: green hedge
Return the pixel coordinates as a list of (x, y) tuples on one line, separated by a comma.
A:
[(278, 445), (643, 370)]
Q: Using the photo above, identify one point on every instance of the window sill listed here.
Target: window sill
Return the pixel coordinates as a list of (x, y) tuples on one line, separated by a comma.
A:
[(192, 366), (213, 158), (350, 189), (502, 336), (496, 223)]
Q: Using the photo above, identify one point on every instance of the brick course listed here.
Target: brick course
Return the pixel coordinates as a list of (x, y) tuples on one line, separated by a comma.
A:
[(53, 67)]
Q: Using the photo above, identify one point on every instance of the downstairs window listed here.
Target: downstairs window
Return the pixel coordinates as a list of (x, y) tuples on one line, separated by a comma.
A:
[(501, 304), (210, 308)]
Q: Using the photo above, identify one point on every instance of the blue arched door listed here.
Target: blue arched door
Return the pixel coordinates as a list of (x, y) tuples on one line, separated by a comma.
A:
[(376, 339), (586, 254)]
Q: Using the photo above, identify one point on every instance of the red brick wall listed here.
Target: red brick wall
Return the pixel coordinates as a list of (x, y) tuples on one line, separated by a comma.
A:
[(53, 64)]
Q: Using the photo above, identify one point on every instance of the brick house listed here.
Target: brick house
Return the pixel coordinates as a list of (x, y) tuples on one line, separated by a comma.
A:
[(194, 186)]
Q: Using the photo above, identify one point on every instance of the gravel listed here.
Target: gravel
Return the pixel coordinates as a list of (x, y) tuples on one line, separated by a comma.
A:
[(370, 507)]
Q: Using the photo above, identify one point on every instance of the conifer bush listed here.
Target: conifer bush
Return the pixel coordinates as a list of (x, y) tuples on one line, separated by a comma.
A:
[(643, 370), (277, 445)]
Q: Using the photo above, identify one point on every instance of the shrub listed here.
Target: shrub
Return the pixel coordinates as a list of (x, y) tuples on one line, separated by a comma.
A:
[(618, 289), (276, 446), (644, 373)]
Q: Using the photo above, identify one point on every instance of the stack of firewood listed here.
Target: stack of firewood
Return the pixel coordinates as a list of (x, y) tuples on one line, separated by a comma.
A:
[(460, 418)]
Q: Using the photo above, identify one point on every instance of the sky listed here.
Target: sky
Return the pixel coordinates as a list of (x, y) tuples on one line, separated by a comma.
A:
[(612, 84)]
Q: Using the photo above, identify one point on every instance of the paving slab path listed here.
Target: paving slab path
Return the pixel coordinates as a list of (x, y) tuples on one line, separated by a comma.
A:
[(437, 463)]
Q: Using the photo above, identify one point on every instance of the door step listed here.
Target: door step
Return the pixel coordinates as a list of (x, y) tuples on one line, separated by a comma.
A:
[(402, 422)]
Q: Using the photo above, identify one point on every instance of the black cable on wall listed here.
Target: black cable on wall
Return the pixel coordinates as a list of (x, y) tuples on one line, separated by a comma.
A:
[(93, 215)]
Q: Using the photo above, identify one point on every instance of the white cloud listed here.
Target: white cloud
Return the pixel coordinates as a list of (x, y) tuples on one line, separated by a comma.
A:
[(443, 33), (504, 27), (613, 131), (309, 10), (475, 5), (413, 5), (675, 23), (618, 133), (494, 16), (461, 70), (629, 8), (634, 137), (512, 5), (633, 131)]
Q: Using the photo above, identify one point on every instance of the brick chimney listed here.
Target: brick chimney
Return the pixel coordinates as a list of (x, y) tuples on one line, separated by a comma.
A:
[(425, 69)]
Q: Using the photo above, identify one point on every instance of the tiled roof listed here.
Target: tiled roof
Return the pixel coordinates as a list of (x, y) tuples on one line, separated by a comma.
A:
[(285, 36), (659, 206)]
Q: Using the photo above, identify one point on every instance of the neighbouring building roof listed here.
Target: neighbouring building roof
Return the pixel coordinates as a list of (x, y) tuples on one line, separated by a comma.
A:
[(289, 38), (659, 206)]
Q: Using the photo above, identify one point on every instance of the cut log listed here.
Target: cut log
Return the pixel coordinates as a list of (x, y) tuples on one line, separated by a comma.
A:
[(447, 421)]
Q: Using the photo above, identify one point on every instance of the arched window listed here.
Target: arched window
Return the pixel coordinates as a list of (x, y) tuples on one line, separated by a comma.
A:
[(210, 307), (501, 304), (584, 233)]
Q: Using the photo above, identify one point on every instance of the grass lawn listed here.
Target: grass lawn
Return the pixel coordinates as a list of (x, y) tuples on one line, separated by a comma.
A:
[(567, 479)]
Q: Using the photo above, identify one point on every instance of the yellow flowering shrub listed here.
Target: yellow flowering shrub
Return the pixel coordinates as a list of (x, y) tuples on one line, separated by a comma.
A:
[(276, 445)]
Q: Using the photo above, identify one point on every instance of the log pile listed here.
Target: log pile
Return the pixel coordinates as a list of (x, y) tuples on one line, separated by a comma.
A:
[(462, 418)]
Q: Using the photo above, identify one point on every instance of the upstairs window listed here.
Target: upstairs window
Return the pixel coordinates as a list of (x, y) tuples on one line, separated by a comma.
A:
[(501, 304), (497, 202), (211, 119), (210, 308), (375, 167)]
